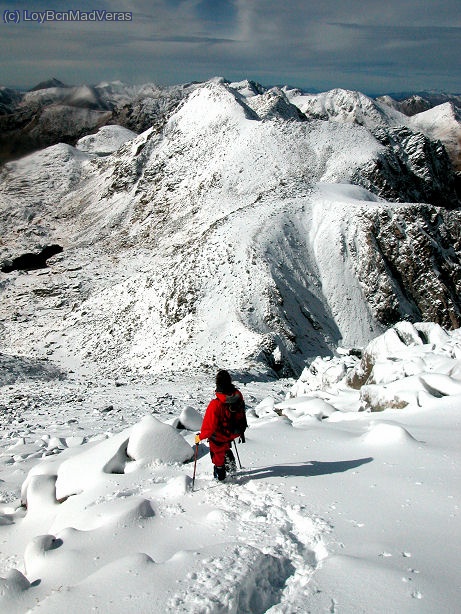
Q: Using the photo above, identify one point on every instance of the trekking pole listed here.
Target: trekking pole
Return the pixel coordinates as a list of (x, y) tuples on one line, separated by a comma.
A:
[(236, 451), (195, 465)]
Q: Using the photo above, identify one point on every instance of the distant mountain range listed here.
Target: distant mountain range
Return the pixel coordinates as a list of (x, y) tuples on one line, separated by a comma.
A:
[(53, 112)]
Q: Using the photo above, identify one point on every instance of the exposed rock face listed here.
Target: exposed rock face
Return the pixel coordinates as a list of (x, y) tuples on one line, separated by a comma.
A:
[(408, 261), (411, 169), (9, 99)]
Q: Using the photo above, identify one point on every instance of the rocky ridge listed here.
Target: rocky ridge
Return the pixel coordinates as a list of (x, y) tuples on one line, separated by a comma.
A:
[(233, 234)]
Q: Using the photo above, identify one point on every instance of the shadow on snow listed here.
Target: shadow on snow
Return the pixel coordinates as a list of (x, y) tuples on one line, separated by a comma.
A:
[(308, 469)]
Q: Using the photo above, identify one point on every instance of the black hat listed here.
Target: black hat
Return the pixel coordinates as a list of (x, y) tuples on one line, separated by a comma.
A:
[(224, 382)]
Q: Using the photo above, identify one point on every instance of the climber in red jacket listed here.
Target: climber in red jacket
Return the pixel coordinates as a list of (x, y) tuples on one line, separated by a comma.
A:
[(224, 421)]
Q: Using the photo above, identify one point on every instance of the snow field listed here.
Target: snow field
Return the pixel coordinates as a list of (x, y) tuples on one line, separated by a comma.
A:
[(385, 483), (74, 510), (334, 507)]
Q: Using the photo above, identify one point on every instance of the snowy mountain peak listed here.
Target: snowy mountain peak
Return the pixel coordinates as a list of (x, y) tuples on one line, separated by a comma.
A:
[(274, 104), (44, 85), (345, 106), (210, 105), (248, 88)]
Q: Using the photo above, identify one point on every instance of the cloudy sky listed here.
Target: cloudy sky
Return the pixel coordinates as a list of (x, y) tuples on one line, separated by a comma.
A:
[(370, 45)]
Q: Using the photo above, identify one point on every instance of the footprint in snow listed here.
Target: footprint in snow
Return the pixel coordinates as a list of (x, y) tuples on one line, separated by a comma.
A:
[(265, 522)]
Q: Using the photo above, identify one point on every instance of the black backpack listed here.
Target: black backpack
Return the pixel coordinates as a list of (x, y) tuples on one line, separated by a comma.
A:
[(232, 419)]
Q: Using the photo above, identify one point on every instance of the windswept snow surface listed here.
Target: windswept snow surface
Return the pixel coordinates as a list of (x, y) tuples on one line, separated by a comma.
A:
[(335, 509)]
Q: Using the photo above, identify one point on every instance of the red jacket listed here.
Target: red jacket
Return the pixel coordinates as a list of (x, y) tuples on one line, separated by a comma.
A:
[(225, 418)]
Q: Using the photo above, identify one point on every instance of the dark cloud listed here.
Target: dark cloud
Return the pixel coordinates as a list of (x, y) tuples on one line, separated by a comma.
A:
[(189, 39), (371, 46)]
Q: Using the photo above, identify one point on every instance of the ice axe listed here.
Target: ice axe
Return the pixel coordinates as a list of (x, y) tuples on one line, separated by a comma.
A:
[(236, 451), (195, 465)]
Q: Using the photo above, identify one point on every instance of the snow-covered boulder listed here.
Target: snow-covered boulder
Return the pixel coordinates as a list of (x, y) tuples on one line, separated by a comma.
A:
[(387, 433), (82, 468), (408, 365), (153, 440), (391, 343), (432, 332), (322, 374), (265, 408), (379, 398), (91, 464), (305, 406), (190, 419), (11, 589)]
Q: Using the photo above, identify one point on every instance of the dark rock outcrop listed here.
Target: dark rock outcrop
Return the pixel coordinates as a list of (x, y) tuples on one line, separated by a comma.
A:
[(31, 261), (9, 99), (412, 169), (408, 261)]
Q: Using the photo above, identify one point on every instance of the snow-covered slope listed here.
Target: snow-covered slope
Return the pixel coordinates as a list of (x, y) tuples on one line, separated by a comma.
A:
[(338, 105), (232, 236), (335, 507), (107, 140)]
